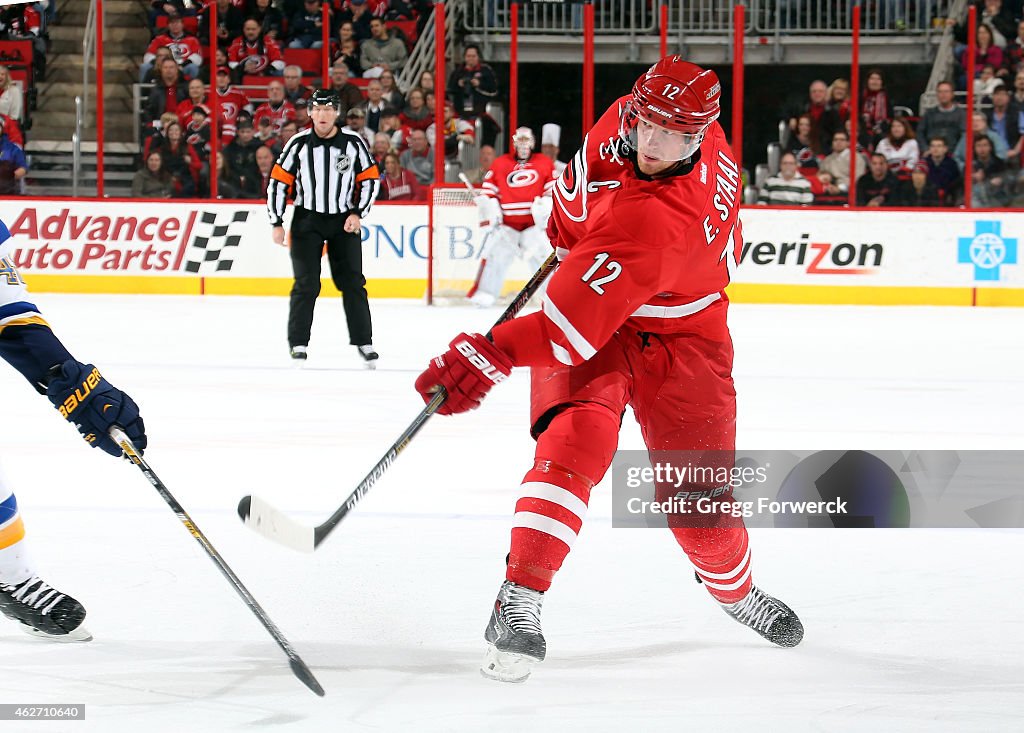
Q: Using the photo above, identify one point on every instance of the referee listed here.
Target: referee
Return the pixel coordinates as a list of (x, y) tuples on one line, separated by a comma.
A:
[(334, 181)]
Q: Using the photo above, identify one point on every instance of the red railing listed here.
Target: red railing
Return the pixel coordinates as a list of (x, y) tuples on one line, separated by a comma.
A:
[(588, 90)]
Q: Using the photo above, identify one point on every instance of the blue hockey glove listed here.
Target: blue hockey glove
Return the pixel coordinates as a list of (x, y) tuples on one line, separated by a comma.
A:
[(93, 405)]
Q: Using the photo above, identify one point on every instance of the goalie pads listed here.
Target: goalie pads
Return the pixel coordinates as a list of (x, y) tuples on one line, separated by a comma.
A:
[(500, 247), (489, 210), (535, 248)]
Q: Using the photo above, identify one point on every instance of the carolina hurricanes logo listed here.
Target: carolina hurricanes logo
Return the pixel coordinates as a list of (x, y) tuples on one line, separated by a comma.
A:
[(570, 189), (229, 110), (179, 51), (522, 177), (255, 63)]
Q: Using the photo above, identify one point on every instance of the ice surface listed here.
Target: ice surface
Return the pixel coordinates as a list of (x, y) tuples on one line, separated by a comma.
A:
[(906, 630)]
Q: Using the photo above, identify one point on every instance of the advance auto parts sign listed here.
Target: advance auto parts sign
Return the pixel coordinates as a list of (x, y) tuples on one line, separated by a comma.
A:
[(200, 239), (158, 240)]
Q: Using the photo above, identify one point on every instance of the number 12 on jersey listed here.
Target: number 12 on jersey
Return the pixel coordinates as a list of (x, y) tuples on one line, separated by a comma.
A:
[(601, 260)]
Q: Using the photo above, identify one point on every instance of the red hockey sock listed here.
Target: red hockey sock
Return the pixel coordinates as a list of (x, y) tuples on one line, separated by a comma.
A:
[(721, 556), (573, 453)]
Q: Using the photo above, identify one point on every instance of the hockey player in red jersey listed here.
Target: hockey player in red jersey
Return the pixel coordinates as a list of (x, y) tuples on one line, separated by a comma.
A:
[(515, 205), (646, 226)]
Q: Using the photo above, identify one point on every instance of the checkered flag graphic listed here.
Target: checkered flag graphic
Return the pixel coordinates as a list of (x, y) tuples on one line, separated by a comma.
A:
[(212, 242)]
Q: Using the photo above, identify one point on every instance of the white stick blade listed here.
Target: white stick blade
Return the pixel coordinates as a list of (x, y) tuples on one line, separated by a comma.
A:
[(262, 518)]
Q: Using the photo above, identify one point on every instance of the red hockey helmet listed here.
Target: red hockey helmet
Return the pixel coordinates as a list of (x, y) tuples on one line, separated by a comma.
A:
[(673, 104)]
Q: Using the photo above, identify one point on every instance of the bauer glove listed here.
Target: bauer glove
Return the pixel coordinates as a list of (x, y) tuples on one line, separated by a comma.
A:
[(93, 405), (467, 371)]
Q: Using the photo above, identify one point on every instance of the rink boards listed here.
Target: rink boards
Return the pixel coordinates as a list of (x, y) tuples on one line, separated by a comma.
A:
[(820, 256)]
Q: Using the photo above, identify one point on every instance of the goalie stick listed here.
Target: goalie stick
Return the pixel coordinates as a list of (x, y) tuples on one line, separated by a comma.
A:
[(264, 519), (299, 668), (469, 185)]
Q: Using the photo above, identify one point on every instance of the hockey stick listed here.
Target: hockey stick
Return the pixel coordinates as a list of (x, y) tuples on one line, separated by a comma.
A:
[(469, 185), (299, 667), (264, 519)]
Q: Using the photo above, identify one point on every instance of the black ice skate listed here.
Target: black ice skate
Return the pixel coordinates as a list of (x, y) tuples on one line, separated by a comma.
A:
[(299, 353), (768, 616), (514, 637), (369, 355), (44, 611)]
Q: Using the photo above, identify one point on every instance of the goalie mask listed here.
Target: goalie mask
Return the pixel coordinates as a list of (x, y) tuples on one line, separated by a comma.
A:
[(523, 142), (672, 107)]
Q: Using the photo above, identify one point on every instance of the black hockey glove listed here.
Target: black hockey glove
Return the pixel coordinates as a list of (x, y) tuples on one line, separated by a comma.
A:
[(94, 405)]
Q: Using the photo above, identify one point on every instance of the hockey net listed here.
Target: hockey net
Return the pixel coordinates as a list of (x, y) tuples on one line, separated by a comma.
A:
[(456, 241)]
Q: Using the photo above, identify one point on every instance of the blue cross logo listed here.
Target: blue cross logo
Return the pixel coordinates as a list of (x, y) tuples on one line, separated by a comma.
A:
[(987, 250)]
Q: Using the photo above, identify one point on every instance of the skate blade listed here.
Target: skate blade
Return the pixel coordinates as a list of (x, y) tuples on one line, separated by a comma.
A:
[(81, 634), (506, 666), (371, 365)]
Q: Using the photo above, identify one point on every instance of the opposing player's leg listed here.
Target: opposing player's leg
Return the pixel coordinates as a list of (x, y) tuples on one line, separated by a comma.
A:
[(499, 249), (306, 250), (39, 609), (576, 417), (685, 402)]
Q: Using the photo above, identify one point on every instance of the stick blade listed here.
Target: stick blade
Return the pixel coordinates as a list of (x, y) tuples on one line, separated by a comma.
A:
[(305, 675), (263, 519)]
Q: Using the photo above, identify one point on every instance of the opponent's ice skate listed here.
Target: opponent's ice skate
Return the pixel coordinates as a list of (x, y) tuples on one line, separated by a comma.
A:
[(515, 642), (298, 353), (44, 611), (369, 355), (768, 616)]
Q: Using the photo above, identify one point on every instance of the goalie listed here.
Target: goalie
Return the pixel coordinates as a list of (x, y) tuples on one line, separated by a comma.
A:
[(514, 207)]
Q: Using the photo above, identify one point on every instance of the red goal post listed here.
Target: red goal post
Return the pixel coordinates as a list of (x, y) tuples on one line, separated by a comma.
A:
[(453, 256), (455, 242)]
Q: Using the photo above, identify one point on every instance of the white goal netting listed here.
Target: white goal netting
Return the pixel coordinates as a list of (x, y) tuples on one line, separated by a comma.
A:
[(456, 240)]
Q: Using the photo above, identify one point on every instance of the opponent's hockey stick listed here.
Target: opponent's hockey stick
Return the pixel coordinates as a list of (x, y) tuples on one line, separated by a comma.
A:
[(264, 519), (299, 667)]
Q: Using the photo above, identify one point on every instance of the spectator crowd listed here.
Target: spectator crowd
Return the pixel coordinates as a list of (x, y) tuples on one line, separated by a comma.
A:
[(264, 82), (907, 160), (25, 22)]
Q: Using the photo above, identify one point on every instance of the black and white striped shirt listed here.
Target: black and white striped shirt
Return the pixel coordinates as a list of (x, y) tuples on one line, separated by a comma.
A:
[(335, 175)]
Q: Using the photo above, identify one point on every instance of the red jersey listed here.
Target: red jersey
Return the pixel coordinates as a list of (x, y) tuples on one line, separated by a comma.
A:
[(516, 184), (256, 58), (185, 107), (185, 49), (284, 112), (650, 255), (403, 188), (231, 102), (12, 129)]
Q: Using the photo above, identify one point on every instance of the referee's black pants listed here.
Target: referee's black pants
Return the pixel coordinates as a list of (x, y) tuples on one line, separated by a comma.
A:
[(345, 255)]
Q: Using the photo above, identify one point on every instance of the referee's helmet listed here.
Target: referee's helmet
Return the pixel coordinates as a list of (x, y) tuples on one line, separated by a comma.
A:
[(325, 98)]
